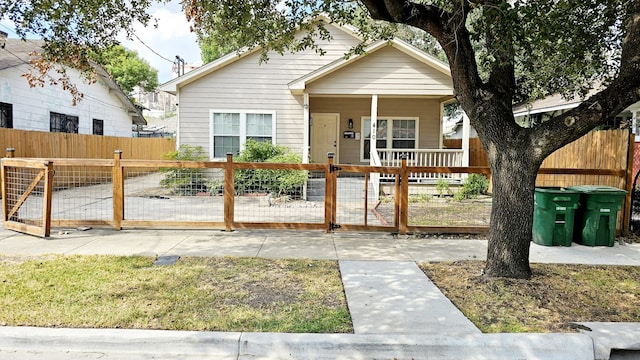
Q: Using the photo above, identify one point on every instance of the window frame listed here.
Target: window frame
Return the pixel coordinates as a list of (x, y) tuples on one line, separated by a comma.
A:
[(6, 112), (243, 127), (389, 134), (93, 126), (66, 117)]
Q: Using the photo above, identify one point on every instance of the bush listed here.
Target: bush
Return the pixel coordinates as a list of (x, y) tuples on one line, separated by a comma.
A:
[(278, 182), (442, 186), (185, 181), (473, 185)]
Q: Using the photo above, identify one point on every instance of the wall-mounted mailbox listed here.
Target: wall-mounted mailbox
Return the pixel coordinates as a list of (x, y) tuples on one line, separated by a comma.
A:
[(349, 135)]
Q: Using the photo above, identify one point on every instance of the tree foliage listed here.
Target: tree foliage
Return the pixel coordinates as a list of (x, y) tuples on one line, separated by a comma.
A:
[(128, 69)]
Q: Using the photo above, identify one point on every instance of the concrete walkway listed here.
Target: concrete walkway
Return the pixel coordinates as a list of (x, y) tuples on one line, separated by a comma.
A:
[(397, 311)]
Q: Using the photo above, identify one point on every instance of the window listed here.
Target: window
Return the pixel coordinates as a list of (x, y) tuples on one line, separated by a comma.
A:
[(98, 127), (6, 115), (63, 123), (230, 130), (401, 131)]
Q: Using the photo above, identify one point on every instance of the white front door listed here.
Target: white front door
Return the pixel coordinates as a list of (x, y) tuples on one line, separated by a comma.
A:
[(324, 137)]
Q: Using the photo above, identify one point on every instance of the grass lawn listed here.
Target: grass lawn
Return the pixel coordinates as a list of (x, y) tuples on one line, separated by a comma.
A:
[(554, 297), (217, 294)]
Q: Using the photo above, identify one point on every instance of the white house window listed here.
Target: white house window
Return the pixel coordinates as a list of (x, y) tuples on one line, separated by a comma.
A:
[(402, 132), (231, 129)]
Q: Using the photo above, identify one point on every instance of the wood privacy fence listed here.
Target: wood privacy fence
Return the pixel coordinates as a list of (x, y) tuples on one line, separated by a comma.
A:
[(40, 144)]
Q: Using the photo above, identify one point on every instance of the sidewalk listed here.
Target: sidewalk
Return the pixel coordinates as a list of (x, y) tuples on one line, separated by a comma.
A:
[(396, 310)]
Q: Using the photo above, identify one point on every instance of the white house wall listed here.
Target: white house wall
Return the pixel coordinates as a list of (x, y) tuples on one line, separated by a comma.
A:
[(387, 71), (31, 106), (248, 85)]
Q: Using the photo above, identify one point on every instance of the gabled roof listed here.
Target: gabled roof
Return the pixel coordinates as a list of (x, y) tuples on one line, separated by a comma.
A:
[(298, 85), (548, 104), (173, 85), (17, 52)]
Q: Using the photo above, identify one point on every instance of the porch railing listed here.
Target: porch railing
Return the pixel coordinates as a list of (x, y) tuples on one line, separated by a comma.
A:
[(423, 157)]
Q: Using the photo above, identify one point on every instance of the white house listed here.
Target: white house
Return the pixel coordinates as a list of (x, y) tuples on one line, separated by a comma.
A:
[(367, 109), (104, 110)]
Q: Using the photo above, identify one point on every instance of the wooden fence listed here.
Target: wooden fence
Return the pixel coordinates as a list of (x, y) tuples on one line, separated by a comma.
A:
[(601, 150), (40, 144)]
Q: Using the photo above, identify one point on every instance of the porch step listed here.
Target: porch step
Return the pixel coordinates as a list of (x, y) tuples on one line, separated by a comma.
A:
[(315, 189)]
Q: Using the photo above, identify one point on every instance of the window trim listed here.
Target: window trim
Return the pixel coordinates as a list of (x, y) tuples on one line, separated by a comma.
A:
[(67, 117), (389, 139), (9, 109), (93, 126), (243, 126)]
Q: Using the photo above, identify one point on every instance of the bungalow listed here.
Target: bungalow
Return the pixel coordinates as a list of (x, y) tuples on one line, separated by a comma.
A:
[(366, 109), (104, 110)]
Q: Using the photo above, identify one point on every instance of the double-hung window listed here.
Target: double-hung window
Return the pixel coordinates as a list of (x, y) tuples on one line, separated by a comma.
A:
[(231, 129), (391, 133)]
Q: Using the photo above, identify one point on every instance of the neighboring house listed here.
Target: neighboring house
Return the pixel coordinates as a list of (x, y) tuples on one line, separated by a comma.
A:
[(104, 110), (542, 110), (456, 131), (317, 104)]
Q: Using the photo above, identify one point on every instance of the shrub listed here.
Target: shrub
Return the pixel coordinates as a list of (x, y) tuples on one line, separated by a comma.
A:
[(278, 182), (473, 185), (442, 186), (185, 181)]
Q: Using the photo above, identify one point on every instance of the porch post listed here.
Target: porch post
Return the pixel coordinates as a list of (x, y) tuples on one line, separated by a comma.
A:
[(466, 131), (373, 151), (634, 123), (305, 129)]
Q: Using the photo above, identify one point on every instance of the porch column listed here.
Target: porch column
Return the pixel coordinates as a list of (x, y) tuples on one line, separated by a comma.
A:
[(305, 129), (466, 131), (634, 122), (373, 151)]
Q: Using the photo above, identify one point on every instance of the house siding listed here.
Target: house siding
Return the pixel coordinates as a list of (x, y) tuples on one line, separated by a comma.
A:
[(247, 84), (427, 110), (31, 106), (387, 71)]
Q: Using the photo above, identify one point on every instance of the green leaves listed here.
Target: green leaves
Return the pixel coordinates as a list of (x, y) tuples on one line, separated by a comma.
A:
[(127, 69)]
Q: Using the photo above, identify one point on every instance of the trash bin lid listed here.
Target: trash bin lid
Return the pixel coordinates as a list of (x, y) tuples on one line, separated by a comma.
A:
[(556, 190), (595, 189)]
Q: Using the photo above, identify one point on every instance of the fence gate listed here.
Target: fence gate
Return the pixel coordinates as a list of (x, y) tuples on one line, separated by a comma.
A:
[(364, 198), (26, 195)]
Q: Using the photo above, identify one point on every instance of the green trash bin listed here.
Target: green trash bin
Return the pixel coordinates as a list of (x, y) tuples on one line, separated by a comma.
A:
[(597, 216), (553, 216)]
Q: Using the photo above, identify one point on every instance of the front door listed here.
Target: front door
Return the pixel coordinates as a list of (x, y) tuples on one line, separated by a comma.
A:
[(324, 137)]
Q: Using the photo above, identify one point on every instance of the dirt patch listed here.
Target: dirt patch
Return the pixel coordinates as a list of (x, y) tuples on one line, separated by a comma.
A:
[(555, 297), (445, 211)]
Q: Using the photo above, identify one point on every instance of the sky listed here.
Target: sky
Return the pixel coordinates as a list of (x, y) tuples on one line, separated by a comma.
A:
[(172, 37)]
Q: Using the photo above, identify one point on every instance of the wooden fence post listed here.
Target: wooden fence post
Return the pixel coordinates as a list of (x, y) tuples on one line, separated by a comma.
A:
[(229, 188), (626, 219), (48, 194), (329, 204), (10, 152), (403, 194), (118, 190)]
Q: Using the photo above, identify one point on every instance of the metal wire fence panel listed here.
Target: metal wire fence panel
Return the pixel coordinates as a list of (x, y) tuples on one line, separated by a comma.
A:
[(279, 196), (449, 202), (173, 194), (82, 193), (361, 199), (24, 195)]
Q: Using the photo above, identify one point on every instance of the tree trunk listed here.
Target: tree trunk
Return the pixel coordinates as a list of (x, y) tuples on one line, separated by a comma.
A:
[(514, 170)]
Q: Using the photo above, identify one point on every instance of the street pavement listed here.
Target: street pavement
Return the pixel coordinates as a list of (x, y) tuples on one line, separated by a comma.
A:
[(397, 312)]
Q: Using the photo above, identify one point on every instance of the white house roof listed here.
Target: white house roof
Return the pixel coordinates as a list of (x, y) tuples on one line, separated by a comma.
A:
[(18, 52), (298, 85), (547, 104)]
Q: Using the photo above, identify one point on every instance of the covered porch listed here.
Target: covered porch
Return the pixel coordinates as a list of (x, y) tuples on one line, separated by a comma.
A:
[(375, 108)]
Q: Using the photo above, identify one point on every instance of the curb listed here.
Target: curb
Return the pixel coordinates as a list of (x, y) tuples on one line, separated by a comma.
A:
[(144, 344)]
